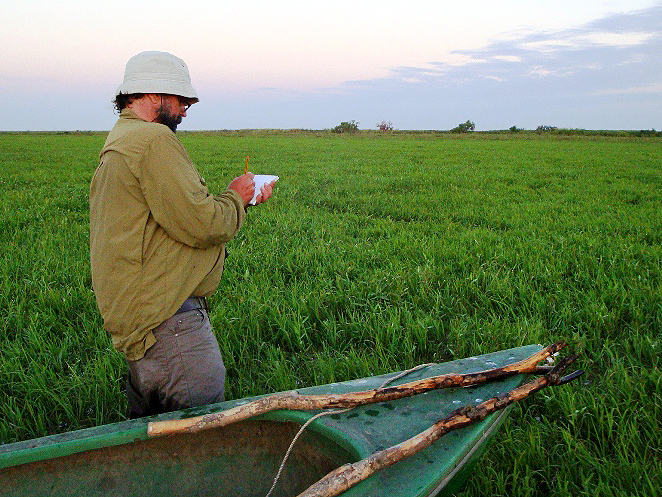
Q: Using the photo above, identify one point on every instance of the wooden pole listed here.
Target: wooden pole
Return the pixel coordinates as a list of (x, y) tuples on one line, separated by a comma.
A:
[(345, 477), (294, 400)]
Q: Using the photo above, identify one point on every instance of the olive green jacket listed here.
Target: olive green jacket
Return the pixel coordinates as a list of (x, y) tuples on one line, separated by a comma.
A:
[(156, 234)]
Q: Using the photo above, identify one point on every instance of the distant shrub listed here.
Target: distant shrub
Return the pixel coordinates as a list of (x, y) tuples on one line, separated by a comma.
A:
[(515, 129), (464, 127), (385, 126), (347, 127), (646, 132), (572, 131)]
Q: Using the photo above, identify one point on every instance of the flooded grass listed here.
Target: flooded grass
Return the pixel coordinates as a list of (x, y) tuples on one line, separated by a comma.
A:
[(378, 252)]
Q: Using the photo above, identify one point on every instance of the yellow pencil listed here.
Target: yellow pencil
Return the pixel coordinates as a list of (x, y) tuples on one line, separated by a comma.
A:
[(246, 166)]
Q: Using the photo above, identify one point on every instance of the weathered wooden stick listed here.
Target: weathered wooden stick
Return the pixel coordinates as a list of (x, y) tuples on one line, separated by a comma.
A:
[(345, 477), (294, 400)]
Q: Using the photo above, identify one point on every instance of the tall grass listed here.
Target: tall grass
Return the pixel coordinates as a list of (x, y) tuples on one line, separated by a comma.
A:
[(377, 252)]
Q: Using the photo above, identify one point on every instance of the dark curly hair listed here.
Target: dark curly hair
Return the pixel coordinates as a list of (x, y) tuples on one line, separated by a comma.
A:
[(124, 99)]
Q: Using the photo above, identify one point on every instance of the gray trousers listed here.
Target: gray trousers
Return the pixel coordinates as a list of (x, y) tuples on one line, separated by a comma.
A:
[(184, 368)]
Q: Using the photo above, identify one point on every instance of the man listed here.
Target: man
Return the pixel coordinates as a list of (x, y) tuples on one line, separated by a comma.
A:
[(157, 242)]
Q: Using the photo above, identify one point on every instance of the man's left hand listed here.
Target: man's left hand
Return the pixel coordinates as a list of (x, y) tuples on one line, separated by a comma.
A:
[(265, 193)]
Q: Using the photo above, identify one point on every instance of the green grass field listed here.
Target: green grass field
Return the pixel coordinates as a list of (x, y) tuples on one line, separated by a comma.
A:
[(378, 252)]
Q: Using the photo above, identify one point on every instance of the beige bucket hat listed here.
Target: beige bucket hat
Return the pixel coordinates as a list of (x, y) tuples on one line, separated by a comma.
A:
[(157, 72)]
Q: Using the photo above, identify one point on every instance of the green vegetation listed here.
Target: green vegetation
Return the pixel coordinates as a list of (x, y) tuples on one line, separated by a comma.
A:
[(347, 127), (378, 252), (385, 126), (464, 127)]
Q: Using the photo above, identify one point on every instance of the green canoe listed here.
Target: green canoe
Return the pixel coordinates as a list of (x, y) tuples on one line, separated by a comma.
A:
[(242, 459)]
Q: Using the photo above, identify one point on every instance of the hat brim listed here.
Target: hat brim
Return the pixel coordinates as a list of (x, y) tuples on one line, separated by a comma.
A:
[(182, 89)]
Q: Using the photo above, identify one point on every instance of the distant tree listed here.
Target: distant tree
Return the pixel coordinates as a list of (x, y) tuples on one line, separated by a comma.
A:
[(646, 133), (464, 127), (385, 126), (347, 127), (515, 129)]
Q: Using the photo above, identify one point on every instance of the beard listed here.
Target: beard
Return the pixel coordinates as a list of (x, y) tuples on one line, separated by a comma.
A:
[(163, 116)]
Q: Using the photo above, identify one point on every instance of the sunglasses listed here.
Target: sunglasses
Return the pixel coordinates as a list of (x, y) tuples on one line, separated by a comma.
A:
[(184, 102)]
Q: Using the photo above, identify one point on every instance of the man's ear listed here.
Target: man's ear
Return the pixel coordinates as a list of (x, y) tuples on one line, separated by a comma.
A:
[(153, 98)]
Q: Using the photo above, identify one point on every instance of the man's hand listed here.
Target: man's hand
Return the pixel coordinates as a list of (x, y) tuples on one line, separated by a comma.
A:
[(244, 186), (265, 192)]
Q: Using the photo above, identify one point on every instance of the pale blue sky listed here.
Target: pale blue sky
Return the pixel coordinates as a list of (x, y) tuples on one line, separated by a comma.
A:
[(425, 64)]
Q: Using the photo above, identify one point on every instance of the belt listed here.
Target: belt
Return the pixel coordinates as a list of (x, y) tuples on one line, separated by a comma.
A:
[(193, 303)]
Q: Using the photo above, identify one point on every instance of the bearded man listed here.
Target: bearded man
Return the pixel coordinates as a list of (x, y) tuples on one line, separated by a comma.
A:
[(157, 242)]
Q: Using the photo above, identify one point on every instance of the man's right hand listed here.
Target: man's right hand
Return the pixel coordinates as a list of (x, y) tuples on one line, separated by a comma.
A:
[(244, 186)]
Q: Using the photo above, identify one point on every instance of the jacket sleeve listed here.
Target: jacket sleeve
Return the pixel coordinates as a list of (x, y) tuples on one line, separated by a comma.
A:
[(180, 201)]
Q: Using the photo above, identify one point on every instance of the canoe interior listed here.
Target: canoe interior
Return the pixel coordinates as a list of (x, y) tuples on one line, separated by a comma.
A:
[(238, 460)]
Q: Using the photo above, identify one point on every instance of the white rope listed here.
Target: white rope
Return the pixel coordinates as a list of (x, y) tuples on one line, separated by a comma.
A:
[(405, 373), (301, 430)]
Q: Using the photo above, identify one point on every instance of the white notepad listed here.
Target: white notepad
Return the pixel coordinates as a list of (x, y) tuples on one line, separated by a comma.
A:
[(260, 181)]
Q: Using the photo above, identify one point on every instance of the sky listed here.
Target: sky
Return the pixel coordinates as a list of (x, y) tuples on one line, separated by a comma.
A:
[(290, 64)]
